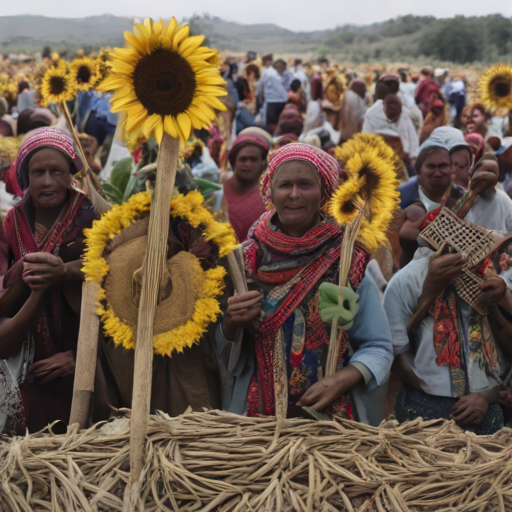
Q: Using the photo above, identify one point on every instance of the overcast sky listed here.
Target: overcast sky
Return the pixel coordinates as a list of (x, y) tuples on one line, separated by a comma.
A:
[(292, 14)]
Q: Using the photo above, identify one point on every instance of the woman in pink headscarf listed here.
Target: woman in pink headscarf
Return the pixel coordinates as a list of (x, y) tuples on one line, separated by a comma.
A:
[(292, 261)]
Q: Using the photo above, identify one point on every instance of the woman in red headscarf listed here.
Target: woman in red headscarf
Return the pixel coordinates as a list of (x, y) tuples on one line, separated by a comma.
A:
[(292, 259), (44, 231)]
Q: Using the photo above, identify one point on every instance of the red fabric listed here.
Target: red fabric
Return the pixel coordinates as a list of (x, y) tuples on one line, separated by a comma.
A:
[(477, 141), (446, 336), (11, 183), (243, 209), (320, 250)]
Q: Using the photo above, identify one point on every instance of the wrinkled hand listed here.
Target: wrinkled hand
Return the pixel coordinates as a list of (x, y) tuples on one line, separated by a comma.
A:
[(59, 365), (484, 176), (493, 290), (470, 409), (329, 389), (243, 309), (42, 270), (443, 270), (337, 301)]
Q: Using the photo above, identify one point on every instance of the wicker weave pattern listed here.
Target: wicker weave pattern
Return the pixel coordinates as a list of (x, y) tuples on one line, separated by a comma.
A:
[(468, 239)]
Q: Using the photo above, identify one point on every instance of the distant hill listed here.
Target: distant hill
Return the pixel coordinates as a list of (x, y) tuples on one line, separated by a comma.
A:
[(407, 38)]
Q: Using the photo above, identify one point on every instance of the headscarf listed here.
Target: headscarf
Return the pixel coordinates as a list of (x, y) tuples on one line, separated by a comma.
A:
[(40, 139), (359, 87), (245, 140), (327, 167), (290, 121)]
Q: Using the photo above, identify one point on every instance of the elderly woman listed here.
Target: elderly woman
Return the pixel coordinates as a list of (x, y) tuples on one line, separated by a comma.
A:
[(292, 253), (44, 231)]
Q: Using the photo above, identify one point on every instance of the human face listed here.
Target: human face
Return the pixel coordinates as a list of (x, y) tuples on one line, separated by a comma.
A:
[(296, 194), (476, 122), (460, 167), (392, 107), (435, 175), (249, 164), (280, 67), (49, 178)]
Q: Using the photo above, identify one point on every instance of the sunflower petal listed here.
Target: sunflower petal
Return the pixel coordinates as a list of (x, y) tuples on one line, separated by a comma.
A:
[(150, 124), (136, 118), (159, 130), (185, 124), (171, 27), (207, 89), (170, 126), (190, 44), (181, 34), (134, 42)]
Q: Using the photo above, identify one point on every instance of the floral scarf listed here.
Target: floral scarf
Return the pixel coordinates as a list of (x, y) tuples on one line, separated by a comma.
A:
[(290, 271)]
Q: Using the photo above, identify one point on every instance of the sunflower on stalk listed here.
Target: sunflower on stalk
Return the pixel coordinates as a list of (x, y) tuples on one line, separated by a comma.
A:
[(57, 86), (165, 81), (364, 204), (495, 87)]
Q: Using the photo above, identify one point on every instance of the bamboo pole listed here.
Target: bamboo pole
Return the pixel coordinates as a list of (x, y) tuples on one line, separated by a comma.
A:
[(237, 270), (347, 248), (99, 203), (153, 269), (87, 351)]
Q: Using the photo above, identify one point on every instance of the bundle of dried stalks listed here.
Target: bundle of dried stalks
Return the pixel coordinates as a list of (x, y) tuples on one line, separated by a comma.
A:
[(215, 461)]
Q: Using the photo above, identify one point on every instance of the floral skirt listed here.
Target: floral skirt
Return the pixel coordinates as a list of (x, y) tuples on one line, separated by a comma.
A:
[(412, 403)]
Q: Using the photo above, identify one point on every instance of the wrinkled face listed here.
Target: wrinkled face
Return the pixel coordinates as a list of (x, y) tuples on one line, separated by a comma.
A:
[(49, 178), (460, 167), (249, 163), (477, 121), (297, 194), (435, 175), (392, 107)]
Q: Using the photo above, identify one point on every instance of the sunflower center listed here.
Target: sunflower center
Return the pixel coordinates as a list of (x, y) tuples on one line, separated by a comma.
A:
[(164, 83), (372, 180), (84, 74), (501, 87), (57, 85)]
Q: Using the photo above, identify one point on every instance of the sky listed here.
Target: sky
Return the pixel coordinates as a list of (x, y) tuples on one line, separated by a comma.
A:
[(292, 14)]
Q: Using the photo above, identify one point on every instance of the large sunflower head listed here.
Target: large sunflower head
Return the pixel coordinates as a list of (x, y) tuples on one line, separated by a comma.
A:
[(57, 86), (495, 87), (85, 73), (165, 80)]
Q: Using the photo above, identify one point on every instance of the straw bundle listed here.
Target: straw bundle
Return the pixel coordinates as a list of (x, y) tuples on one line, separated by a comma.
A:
[(216, 461)]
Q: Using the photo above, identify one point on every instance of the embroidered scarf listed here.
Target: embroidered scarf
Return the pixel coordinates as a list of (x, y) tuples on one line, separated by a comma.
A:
[(290, 271)]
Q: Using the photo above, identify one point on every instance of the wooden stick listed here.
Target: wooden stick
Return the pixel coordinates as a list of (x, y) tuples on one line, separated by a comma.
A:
[(87, 350), (237, 270), (99, 203), (347, 248), (154, 268)]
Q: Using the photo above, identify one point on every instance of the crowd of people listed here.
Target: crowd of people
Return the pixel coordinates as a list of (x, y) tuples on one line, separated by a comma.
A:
[(415, 345)]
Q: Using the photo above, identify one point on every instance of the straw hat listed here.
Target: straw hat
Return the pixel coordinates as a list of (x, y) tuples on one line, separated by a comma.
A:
[(178, 293)]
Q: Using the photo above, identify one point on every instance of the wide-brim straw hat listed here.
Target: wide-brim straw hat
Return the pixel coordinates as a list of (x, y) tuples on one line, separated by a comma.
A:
[(178, 292)]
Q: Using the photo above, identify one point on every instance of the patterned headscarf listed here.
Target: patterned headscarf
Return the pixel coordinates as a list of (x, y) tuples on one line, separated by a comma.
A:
[(44, 138), (327, 167), (246, 139)]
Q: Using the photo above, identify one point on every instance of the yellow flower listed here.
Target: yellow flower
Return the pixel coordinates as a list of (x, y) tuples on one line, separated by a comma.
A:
[(371, 168), (57, 86), (207, 307), (495, 87), (85, 73), (165, 80)]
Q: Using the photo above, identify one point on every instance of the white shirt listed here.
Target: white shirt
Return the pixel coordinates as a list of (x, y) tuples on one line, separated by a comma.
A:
[(492, 210)]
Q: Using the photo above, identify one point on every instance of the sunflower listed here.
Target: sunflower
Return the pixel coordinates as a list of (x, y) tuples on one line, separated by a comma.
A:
[(165, 80), (57, 86), (85, 73), (372, 184), (495, 87), (189, 208)]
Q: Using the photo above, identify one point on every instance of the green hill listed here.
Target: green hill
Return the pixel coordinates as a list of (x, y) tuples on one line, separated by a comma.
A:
[(408, 38)]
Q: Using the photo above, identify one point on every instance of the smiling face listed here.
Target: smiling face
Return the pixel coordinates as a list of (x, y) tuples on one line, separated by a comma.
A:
[(477, 122), (49, 178), (297, 194)]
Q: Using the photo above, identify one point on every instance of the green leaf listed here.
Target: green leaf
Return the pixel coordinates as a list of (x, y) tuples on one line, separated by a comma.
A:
[(121, 173)]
